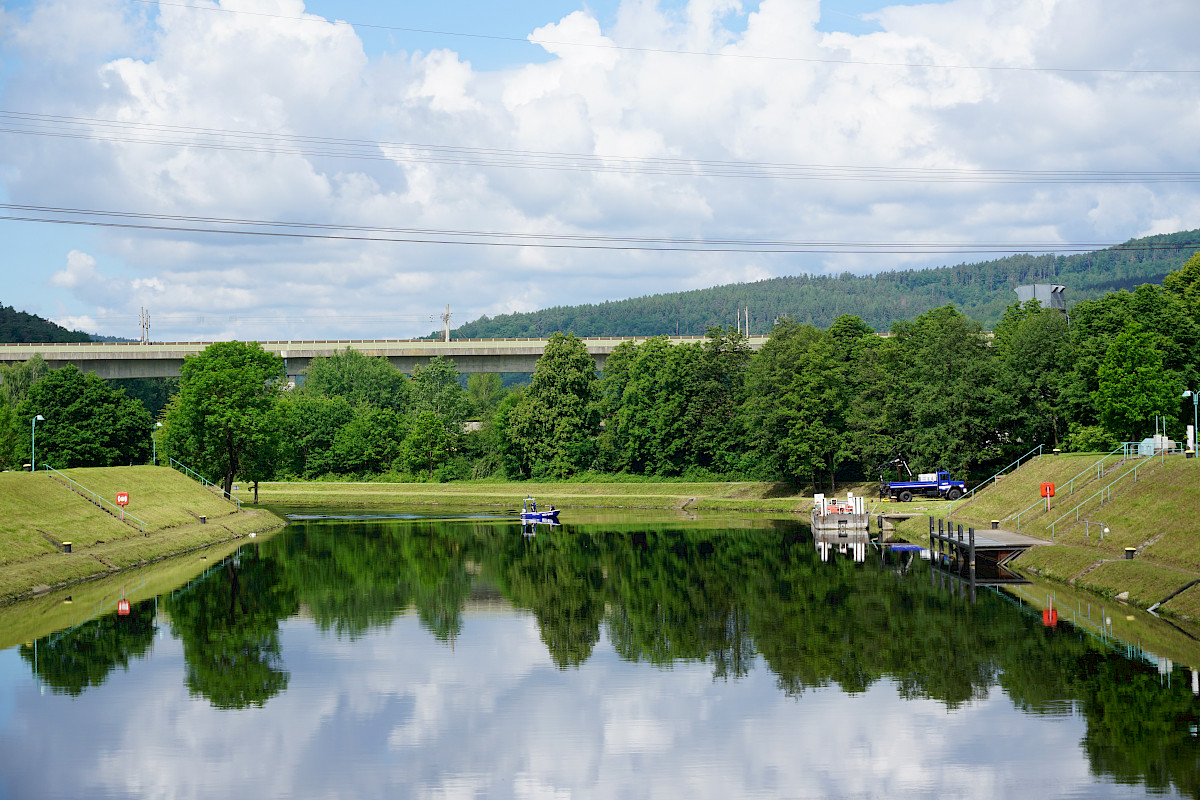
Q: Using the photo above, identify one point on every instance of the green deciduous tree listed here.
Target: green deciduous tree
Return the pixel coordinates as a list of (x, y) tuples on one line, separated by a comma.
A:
[(17, 379), (435, 388), (764, 418), (1133, 386), (427, 445), (1035, 354), (552, 430), (226, 408), (1096, 323), (1185, 284), (309, 424), (88, 424), (369, 442), (485, 390), (359, 379), (937, 396)]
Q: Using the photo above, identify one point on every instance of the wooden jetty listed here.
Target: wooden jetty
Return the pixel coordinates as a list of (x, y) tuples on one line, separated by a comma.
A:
[(977, 558)]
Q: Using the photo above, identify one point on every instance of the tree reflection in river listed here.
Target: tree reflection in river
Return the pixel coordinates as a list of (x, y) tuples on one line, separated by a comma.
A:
[(229, 625), (72, 660), (660, 594)]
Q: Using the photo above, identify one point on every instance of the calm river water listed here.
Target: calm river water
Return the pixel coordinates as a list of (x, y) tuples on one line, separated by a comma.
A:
[(407, 656)]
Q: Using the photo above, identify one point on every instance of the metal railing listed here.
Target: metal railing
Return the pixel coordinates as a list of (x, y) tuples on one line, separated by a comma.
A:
[(97, 499), (1105, 493), (1099, 465), (1069, 487), (191, 473), (968, 495)]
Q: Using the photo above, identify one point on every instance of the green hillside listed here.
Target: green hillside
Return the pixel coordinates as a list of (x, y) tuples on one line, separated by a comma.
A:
[(20, 327), (981, 291)]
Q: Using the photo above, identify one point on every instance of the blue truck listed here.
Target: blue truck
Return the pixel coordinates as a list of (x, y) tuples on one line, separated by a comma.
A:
[(926, 484)]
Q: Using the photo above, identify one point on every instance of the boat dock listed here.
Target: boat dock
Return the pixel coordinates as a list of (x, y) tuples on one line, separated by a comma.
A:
[(977, 558)]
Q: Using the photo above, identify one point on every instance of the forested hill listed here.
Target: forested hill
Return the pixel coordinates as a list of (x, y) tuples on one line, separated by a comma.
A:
[(981, 291), (19, 326)]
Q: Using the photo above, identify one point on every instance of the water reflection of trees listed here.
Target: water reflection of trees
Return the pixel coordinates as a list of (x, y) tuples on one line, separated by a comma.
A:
[(229, 626), (72, 660), (727, 598)]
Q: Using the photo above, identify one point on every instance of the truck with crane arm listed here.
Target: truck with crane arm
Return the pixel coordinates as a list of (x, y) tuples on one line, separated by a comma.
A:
[(926, 484)]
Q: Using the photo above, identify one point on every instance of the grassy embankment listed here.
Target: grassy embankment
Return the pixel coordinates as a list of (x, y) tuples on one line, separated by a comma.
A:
[(1156, 515), (717, 496), (38, 514)]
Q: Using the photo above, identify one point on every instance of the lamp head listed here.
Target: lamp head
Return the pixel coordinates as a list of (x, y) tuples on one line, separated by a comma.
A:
[(1188, 393), (158, 424), (40, 418)]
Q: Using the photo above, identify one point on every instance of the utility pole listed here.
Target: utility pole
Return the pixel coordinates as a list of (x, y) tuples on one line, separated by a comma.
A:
[(446, 324), (144, 320)]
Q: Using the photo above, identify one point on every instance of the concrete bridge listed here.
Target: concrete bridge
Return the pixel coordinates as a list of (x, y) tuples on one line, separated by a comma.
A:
[(163, 359)]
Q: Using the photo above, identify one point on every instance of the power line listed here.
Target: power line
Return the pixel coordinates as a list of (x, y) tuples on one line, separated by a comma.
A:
[(477, 238), (119, 131), (664, 51)]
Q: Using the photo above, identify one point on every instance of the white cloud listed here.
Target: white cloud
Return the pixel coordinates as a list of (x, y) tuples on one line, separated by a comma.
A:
[(81, 269), (267, 76)]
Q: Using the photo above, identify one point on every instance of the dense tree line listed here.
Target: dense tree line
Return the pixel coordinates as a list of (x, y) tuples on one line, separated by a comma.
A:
[(817, 405), (22, 327), (982, 291), (812, 406)]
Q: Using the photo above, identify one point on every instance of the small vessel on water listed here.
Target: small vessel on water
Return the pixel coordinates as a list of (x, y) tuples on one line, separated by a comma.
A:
[(530, 513)]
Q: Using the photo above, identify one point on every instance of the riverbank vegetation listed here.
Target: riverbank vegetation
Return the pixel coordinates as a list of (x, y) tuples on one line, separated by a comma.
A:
[(812, 407)]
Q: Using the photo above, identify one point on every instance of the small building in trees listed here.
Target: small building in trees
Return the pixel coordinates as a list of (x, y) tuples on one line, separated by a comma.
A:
[(1050, 295)]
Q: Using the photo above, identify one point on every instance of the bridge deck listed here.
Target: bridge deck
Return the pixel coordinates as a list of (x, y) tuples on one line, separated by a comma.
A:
[(163, 359)]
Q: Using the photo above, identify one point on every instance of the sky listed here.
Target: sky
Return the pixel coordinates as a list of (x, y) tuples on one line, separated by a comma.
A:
[(275, 170)]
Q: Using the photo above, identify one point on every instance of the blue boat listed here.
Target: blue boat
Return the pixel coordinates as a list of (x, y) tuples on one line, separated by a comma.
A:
[(530, 513)]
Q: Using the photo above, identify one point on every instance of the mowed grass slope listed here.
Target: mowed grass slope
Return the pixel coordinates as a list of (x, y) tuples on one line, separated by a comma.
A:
[(1014, 493), (39, 513), (161, 497), (1158, 515), (35, 509)]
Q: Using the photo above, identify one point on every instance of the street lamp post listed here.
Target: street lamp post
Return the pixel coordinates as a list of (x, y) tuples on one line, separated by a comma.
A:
[(1195, 430), (33, 442), (154, 444)]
